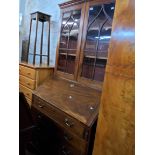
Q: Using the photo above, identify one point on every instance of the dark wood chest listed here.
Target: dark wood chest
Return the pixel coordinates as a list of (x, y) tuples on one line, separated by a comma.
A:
[(72, 112)]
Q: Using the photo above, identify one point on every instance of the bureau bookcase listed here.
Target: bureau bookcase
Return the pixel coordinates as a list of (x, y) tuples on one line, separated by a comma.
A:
[(70, 99)]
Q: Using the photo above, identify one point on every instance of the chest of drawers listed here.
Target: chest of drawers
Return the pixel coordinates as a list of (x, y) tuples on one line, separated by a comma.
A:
[(30, 77), (73, 109)]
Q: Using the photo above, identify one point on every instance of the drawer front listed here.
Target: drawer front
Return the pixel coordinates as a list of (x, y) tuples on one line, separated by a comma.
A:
[(62, 146), (73, 140), (27, 82), (59, 117), (28, 72), (27, 92), (66, 149)]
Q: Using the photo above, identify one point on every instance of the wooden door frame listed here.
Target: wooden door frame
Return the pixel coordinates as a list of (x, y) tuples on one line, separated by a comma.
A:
[(65, 7), (91, 83)]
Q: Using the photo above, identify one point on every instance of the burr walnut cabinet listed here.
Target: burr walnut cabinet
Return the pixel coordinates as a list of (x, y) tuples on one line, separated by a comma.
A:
[(69, 101)]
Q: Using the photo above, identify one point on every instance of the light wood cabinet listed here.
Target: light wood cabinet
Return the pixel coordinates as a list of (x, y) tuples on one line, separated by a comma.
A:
[(30, 77)]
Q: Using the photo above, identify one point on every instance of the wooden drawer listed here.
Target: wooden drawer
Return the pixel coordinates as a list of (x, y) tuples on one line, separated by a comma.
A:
[(65, 141), (27, 82), (59, 117), (27, 92), (69, 138), (28, 72), (66, 149)]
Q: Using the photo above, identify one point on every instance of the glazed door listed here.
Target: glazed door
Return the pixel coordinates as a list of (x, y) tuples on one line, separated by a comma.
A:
[(70, 40), (96, 38)]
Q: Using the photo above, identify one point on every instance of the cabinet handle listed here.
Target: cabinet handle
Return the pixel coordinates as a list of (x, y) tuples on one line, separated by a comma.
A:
[(66, 137), (40, 106), (65, 151), (28, 73), (71, 85), (69, 124)]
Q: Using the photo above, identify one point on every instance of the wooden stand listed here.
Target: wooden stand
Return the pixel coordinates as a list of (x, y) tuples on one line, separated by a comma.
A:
[(39, 16)]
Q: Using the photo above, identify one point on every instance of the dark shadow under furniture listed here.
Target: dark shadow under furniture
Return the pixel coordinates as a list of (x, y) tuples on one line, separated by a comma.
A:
[(34, 137)]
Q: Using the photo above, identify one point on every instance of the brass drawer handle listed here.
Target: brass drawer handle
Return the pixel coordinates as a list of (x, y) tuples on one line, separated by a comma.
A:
[(40, 106), (65, 151), (72, 85), (69, 124), (68, 138), (28, 73)]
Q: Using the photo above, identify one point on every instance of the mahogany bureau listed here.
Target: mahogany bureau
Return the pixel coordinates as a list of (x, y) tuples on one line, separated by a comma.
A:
[(73, 109), (70, 100)]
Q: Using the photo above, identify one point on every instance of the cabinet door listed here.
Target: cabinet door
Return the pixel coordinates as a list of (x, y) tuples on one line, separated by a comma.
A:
[(69, 43), (97, 34)]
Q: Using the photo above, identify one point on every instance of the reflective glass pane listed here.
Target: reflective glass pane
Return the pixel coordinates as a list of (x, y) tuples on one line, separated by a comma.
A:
[(109, 9), (104, 41), (68, 41), (99, 69), (87, 67), (92, 35), (70, 29), (97, 40), (70, 64), (74, 29), (62, 62), (64, 36), (96, 18)]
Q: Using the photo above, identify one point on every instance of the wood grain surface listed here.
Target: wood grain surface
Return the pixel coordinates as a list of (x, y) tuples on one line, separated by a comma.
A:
[(78, 101), (116, 123)]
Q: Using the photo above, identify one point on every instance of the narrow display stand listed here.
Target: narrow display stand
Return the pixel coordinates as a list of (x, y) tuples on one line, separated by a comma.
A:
[(37, 53)]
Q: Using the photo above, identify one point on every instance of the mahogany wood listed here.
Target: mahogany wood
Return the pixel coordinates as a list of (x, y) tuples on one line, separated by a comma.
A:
[(71, 7), (73, 108), (48, 58), (89, 82), (37, 19), (64, 94), (76, 68), (41, 43), (29, 40)]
